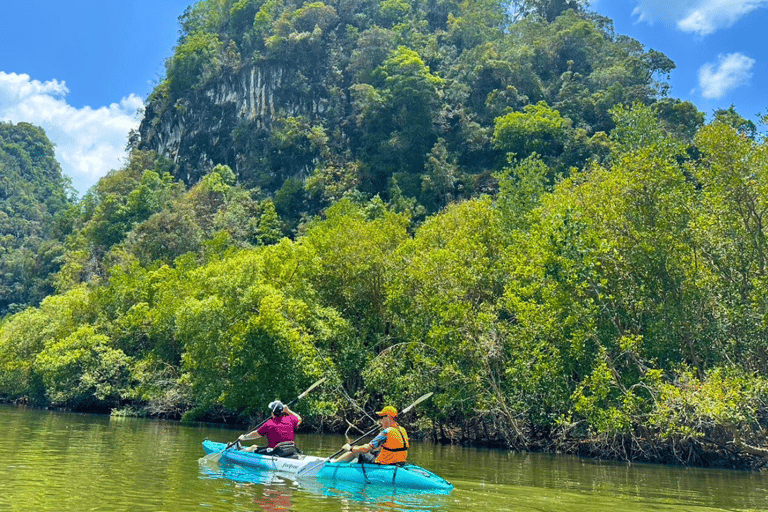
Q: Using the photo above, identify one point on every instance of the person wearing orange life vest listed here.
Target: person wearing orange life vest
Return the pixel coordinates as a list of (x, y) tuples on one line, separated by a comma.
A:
[(391, 443)]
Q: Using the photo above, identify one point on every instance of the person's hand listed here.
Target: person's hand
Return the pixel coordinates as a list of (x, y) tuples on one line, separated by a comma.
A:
[(242, 437), (346, 447)]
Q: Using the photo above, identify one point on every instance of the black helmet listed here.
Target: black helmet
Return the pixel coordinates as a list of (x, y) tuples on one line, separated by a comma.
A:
[(276, 407)]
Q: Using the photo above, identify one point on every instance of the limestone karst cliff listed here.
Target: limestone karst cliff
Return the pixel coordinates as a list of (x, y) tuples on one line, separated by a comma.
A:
[(394, 98), (224, 122)]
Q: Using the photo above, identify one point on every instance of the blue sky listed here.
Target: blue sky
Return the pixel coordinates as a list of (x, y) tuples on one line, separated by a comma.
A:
[(718, 46), (82, 68)]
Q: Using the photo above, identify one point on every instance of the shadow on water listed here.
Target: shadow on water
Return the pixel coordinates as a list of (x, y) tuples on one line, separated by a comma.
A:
[(278, 492)]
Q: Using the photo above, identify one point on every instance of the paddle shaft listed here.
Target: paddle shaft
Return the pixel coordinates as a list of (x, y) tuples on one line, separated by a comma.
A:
[(370, 432)]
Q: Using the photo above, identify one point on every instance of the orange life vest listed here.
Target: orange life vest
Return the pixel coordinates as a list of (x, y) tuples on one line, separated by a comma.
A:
[(395, 448)]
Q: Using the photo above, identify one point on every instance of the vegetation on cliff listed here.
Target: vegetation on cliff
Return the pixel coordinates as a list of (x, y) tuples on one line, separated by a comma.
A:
[(570, 263), (423, 99), (34, 198)]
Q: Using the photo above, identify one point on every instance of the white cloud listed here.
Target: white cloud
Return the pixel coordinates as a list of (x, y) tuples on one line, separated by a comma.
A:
[(701, 17), (653, 10), (733, 70), (89, 142)]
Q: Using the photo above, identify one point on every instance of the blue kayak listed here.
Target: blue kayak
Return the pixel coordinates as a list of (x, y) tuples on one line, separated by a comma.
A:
[(308, 466)]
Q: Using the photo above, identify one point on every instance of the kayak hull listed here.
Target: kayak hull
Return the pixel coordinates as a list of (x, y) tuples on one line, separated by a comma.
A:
[(408, 476)]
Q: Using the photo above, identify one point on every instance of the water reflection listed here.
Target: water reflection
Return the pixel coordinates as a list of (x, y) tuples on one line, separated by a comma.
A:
[(262, 488), (383, 496), (273, 498), (211, 469), (61, 462), (272, 491)]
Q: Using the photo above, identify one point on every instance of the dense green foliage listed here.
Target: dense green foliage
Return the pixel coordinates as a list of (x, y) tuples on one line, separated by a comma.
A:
[(421, 98), (34, 198), (602, 289)]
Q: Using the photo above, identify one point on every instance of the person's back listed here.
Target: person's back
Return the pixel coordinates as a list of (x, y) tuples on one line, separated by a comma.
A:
[(280, 431)]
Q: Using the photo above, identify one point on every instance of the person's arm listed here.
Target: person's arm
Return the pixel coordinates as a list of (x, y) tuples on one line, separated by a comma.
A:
[(254, 434), (369, 447), (363, 448), (250, 435), (289, 412)]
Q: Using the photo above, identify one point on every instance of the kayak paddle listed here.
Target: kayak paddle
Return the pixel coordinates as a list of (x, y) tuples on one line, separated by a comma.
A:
[(214, 457), (313, 469)]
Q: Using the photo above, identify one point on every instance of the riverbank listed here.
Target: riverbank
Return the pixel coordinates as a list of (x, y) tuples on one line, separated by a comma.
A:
[(703, 453)]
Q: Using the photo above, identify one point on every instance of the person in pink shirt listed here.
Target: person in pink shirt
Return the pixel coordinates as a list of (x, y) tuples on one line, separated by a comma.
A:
[(279, 430)]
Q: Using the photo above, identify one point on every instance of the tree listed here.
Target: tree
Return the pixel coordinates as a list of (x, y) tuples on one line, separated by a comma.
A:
[(521, 189), (396, 116), (165, 236), (247, 318), (730, 237), (442, 295), (354, 245), (27, 333), (547, 9), (440, 177), (269, 228), (732, 118), (538, 129), (314, 14), (82, 371), (194, 61)]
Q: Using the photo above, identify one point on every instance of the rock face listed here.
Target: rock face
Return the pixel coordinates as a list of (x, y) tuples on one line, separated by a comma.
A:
[(227, 122)]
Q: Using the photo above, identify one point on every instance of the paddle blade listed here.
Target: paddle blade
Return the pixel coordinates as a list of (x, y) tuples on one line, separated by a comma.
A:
[(212, 458), (310, 388), (417, 402), (311, 469), (216, 456)]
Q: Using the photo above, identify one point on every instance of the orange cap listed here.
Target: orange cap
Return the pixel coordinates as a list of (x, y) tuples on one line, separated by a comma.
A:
[(388, 411)]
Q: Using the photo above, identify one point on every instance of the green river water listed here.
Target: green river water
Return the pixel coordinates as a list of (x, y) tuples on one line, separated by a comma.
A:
[(53, 461)]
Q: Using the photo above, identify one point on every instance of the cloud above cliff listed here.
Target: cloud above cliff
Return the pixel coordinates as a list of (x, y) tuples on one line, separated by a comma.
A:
[(89, 141), (731, 71), (702, 17)]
